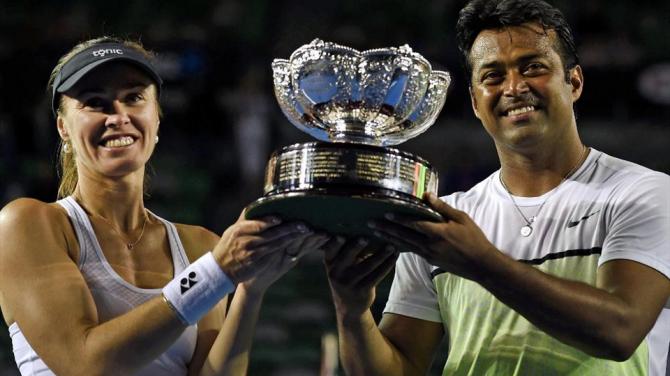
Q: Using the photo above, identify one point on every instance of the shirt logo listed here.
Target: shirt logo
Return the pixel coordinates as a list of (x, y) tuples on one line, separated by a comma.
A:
[(187, 283), (575, 223), (104, 51)]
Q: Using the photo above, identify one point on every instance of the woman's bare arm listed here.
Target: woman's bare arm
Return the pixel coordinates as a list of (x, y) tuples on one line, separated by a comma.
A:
[(45, 293), (43, 290)]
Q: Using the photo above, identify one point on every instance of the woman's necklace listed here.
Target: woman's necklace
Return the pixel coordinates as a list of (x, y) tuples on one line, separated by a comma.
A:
[(130, 245), (526, 230)]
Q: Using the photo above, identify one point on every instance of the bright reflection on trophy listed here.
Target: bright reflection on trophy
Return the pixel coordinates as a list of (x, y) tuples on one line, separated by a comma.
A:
[(356, 104)]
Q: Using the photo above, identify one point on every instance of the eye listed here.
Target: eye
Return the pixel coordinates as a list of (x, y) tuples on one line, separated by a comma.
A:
[(492, 77), (534, 68), (96, 103), (134, 98)]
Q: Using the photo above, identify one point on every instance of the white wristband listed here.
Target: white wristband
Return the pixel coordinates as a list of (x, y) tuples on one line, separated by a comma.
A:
[(197, 289)]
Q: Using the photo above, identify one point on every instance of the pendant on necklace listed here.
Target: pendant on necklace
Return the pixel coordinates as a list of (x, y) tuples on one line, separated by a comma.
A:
[(526, 231), (130, 246)]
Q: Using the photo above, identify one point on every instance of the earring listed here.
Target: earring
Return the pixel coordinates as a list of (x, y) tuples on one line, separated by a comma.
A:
[(156, 139), (66, 147)]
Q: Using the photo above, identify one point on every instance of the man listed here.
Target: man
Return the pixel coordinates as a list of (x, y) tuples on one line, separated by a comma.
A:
[(557, 264)]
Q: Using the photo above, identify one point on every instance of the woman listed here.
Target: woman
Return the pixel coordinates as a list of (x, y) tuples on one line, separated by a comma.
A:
[(97, 284)]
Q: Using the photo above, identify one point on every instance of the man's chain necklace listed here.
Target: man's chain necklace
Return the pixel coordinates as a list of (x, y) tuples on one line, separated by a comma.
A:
[(527, 230)]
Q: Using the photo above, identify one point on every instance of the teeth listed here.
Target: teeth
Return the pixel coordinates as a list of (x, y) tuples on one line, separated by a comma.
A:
[(521, 110), (119, 142)]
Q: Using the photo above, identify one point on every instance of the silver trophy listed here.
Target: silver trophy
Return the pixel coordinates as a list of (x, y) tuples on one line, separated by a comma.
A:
[(356, 104)]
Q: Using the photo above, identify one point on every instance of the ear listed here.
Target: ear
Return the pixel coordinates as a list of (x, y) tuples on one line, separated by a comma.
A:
[(473, 101), (577, 82), (62, 130)]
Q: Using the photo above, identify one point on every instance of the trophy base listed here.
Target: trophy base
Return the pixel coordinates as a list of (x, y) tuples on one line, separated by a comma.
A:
[(338, 214)]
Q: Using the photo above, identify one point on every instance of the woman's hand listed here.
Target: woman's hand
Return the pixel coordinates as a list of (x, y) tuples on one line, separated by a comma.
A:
[(251, 247)]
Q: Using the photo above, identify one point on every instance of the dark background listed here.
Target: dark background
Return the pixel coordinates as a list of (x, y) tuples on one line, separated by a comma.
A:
[(221, 121)]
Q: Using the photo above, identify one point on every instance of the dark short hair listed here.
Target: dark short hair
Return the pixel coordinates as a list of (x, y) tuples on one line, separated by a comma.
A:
[(480, 15)]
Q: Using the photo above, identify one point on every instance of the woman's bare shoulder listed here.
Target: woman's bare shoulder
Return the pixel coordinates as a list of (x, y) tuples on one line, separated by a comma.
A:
[(31, 212), (35, 232), (35, 237), (196, 240)]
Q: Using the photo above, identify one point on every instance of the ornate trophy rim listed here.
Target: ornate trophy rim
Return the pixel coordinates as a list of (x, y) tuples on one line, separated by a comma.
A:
[(360, 85), (404, 50)]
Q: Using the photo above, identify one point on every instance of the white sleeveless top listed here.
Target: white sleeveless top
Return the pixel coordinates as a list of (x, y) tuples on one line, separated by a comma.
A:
[(113, 296)]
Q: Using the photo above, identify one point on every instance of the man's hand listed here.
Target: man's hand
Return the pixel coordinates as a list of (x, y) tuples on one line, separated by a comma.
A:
[(354, 272), (456, 244)]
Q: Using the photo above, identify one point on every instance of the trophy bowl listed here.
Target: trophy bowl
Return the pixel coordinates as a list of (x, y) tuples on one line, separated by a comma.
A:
[(356, 104)]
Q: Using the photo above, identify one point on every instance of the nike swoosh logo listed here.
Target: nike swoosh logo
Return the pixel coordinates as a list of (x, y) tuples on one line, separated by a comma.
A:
[(575, 223)]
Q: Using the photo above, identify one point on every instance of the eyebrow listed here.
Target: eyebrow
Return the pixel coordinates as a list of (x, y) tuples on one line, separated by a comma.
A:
[(129, 86), (521, 59)]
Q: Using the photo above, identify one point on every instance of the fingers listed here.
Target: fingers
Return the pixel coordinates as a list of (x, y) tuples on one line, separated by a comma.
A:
[(375, 267), (254, 226), (443, 208), (313, 243), (268, 269), (275, 233), (429, 229), (261, 264), (356, 270), (332, 247), (293, 247), (305, 244), (399, 233), (433, 230), (243, 214), (383, 267), (402, 244), (347, 256), (274, 265), (283, 243)]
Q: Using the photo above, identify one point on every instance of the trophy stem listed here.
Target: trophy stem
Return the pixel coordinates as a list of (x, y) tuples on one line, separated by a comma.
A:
[(353, 131)]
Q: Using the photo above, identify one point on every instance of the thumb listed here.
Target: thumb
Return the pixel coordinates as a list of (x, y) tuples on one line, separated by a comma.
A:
[(243, 215), (447, 212)]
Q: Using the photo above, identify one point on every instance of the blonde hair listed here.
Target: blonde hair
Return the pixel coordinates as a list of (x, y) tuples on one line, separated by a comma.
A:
[(67, 167)]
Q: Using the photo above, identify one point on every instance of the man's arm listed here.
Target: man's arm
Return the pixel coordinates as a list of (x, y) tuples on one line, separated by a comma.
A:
[(608, 320), (401, 345), (415, 339)]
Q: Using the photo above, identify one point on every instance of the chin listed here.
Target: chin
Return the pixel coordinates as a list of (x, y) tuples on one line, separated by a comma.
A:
[(523, 137), (118, 170)]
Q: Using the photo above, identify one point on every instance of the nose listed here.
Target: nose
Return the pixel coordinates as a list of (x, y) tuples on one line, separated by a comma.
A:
[(117, 116), (515, 84)]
